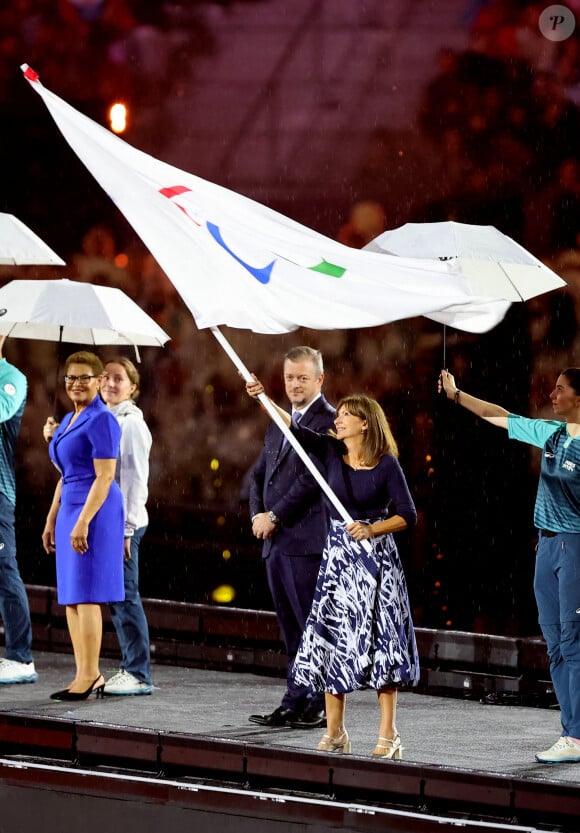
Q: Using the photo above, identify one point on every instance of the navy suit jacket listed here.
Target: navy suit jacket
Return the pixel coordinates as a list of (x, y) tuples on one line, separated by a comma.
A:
[(282, 484)]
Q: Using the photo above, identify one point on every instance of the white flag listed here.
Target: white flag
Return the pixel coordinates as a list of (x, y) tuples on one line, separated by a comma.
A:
[(238, 263)]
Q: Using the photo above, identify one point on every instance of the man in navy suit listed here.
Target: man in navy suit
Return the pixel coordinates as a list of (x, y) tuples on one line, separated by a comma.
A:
[(288, 513)]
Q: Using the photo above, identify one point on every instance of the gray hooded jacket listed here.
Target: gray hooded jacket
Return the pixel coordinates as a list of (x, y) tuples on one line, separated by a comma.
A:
[(133, 464)]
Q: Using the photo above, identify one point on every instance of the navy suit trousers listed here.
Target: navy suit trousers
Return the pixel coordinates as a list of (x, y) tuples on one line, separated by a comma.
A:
[(292, 580)]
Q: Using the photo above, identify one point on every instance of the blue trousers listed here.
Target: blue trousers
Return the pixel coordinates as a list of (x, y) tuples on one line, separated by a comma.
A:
[(557, 589), (14, 609), (130, 621), (292, 581)]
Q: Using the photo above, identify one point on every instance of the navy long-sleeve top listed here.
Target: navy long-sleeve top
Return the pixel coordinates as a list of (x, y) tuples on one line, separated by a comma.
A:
[(366, 493)]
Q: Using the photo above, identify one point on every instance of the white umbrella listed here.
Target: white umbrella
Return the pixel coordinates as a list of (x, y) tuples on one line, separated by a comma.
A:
[(498, 269), (495, 265), (82, 313), (20, 246)]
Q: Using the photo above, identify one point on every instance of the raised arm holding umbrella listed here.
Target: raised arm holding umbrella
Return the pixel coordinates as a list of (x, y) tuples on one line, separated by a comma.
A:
[(557, 518)]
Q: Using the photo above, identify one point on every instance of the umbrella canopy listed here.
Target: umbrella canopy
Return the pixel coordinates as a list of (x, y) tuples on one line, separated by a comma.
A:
[(19, 246), (496, 266), (82, 313)]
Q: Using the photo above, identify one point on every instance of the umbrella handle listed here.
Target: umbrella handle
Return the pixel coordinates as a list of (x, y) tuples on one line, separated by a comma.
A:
[(55, 405)]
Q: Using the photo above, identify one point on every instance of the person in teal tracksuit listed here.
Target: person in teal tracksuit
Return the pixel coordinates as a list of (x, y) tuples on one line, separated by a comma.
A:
[(557, 518), (17, 666)]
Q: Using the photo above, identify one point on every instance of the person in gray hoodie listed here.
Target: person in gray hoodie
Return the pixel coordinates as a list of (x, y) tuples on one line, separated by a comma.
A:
[(119, 390)]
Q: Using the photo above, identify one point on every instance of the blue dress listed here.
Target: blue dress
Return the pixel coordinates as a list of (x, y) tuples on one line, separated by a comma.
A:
[(97, 575), (359, 633)]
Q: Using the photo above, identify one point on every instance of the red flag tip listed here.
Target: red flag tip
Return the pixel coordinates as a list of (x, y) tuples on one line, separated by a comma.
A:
[(29, 73)]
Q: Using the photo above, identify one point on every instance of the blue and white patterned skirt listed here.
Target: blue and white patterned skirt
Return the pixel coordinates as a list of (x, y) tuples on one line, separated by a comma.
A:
[(359, 633)]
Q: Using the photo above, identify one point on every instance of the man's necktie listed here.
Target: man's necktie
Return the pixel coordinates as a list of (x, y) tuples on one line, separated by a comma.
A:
[(296, 417)]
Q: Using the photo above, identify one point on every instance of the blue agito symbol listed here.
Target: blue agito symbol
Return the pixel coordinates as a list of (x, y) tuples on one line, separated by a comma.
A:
[(263, 273)]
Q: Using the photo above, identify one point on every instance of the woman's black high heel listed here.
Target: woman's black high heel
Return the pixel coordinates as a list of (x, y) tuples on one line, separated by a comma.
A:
[(58, 695), (66, 694)]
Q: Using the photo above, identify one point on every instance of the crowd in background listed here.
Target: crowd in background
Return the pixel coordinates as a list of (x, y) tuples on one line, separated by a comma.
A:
[(496, 143)]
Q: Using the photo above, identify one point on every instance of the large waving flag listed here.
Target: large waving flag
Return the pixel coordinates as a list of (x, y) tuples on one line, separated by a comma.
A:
[(238, 263)]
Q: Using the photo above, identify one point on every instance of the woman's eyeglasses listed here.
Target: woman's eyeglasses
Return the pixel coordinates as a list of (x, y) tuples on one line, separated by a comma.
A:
[(84, 379)]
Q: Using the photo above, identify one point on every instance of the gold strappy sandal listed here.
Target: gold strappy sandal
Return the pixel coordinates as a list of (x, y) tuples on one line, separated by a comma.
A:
[(389, 748), (339, 744)]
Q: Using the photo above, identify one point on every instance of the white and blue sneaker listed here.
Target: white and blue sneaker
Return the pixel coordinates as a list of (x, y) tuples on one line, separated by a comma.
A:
[(124, 683), (17, 672), (563, 751)]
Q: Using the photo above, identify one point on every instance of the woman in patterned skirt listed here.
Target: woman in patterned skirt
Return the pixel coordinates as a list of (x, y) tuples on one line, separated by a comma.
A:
[(359, 633)]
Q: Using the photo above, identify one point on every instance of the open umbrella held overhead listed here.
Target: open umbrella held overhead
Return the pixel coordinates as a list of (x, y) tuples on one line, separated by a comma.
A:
[(498, 269), (82, 313), (19, 246)]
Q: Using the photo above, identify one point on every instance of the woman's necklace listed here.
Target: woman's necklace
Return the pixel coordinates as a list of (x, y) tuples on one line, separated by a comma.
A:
[(359, 464)]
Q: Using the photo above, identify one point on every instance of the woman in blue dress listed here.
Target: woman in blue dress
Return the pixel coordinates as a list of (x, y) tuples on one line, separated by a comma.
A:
[(85, 523), (359, 633)]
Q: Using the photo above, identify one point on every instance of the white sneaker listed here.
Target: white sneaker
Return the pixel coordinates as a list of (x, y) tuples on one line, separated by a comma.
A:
[(124, 683), (17, 672), (563, 751)]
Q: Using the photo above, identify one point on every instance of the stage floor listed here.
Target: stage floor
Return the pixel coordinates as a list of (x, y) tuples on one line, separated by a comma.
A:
[(448, 732)]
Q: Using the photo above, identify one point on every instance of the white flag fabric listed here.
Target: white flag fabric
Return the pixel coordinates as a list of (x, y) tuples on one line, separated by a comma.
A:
[(239, 263)]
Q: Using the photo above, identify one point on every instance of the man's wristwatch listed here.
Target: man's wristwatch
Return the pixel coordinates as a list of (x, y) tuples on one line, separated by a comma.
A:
[(274, 519)]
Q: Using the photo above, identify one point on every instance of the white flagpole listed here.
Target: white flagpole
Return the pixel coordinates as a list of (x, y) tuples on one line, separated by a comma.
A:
[(287, 433)]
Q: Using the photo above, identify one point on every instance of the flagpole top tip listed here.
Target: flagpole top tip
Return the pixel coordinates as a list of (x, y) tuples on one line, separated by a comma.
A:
[(29, 73)]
